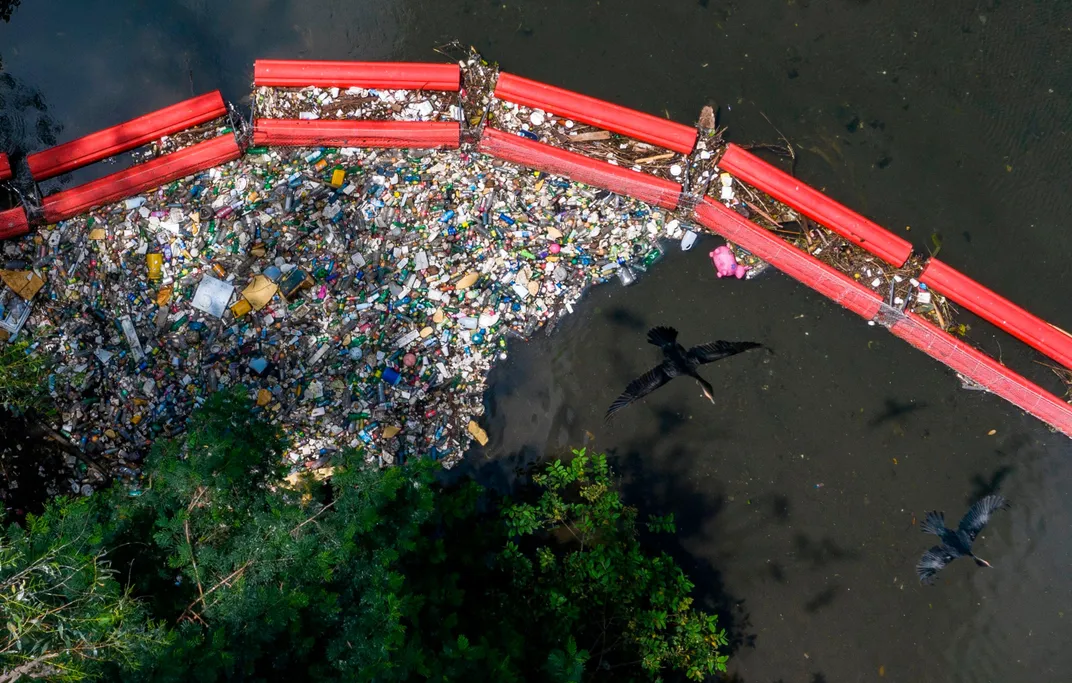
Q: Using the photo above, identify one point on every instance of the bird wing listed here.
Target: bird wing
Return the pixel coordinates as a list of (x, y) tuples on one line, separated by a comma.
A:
[(717, 350), (662, 337), (639, 388), (979, 514), (933, 523), (932, 562)]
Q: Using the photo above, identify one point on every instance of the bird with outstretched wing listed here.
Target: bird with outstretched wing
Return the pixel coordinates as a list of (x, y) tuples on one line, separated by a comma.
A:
[(956, 543), (677, 362)]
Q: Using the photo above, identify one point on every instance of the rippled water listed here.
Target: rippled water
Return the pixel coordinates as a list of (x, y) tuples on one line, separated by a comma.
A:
[(796, 493)]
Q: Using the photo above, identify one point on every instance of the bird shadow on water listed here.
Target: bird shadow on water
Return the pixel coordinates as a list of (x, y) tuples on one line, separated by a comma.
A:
[(822, 552), (627, 319), (665, 487), (895, 411), (983, 486), (824, 598)]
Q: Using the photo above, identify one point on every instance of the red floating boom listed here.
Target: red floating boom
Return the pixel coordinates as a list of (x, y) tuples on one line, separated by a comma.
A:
[(788, 259), (126, 136), (595, 112), (5, 167), (137, 179), (815, 205), (624, 181), (969, 362), (13, 223), (985, 371), (288, 73), (1032, 330), (318, 133)]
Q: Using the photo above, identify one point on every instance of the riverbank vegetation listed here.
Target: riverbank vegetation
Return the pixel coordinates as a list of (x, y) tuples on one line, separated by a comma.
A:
[(224, 568)]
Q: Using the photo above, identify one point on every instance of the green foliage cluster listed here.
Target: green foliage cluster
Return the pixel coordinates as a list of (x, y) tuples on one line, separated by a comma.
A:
[(62, 605), (22, 377), (600, 585), (223, 570)]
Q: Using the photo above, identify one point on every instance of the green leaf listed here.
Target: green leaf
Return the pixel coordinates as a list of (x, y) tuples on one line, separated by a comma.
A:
[(936, 240)]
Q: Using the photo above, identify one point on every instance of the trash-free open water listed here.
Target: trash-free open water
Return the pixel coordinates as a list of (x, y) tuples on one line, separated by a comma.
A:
[(796, 493)]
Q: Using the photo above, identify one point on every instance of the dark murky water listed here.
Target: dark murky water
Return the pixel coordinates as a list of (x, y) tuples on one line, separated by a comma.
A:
[(796, 493)]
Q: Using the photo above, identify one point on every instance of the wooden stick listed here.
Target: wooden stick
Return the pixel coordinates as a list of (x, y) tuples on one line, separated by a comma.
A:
[(938, 312), (763, 213), (657, 157), (591, 136)]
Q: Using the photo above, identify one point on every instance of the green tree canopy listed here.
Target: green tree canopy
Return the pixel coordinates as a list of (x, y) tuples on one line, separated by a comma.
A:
[(224, 569)]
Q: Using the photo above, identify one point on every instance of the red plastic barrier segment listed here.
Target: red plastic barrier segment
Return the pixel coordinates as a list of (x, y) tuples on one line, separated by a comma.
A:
[(1030, 329), (137, 179), (5, 167), (525, 152), (126, 136), (292, 73), (986, 371), (788, 259), (301, 133), (815, 205), (13, 223), (595, 112)]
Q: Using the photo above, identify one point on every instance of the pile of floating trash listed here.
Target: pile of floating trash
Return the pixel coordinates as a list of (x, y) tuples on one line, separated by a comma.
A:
[(361, 295)]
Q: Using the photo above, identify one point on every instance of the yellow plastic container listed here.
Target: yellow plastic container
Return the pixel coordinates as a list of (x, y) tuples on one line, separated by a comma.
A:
[(240, 308), (156, 265), (337, 176)]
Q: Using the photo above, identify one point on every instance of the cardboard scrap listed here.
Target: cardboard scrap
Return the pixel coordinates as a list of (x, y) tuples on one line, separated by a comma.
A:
[(259, 292), (98, 234), (390, 431), (477, 433), (25, 283)]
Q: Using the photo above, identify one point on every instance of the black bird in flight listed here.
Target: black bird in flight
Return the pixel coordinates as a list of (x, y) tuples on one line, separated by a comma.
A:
[(677, 361), (955, 543)]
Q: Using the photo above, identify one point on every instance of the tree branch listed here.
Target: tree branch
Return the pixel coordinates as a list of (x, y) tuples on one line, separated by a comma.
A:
[(193, 560), (65, 444), (27, 669), (212, 590), (322, 511)]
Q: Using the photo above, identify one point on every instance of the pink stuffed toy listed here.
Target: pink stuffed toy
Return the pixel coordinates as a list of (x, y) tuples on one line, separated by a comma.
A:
[(726, 263)]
